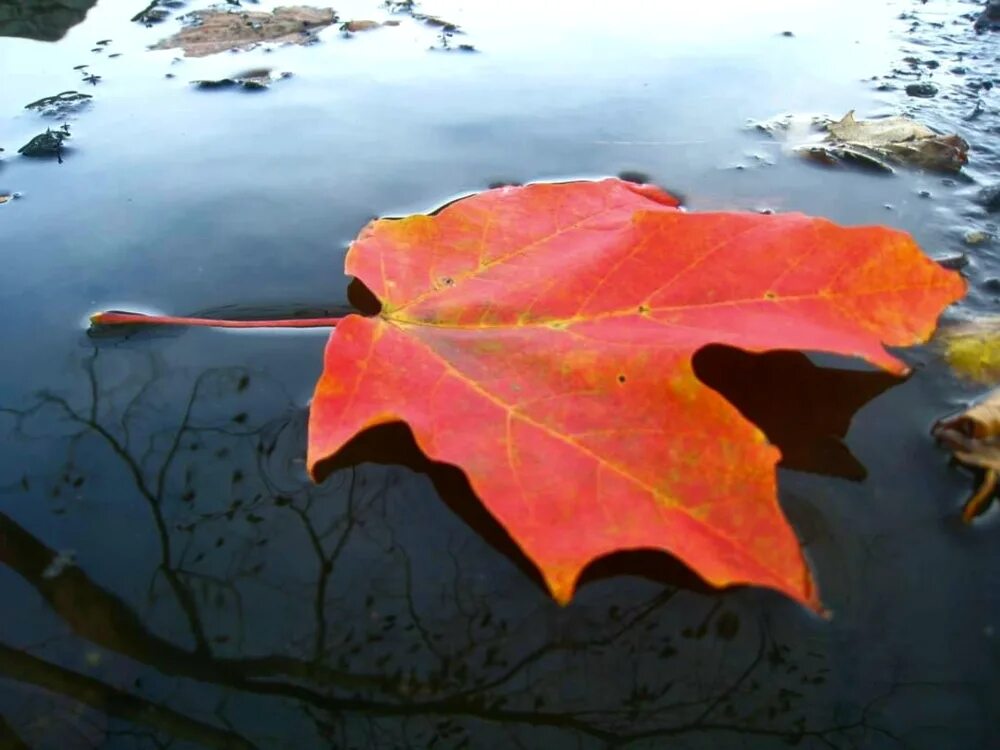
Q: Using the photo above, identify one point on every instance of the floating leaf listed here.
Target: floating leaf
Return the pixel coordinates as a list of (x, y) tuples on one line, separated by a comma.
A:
[(540, 338), (874, 144), (899, 140)]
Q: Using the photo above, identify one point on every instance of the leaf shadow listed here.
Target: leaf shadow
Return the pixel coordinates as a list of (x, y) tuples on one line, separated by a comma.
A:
[(804, 409)]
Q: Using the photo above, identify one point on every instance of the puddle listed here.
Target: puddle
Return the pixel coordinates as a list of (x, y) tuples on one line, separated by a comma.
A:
[(172, 577)]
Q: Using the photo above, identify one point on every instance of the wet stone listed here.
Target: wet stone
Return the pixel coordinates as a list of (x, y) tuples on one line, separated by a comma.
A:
[(922, 90), (46, 145), (989, 198), (989, 19), (954, 262)]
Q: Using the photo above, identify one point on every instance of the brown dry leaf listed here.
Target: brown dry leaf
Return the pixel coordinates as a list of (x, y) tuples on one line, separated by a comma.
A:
[(881, 132), (898, 140), (973, 437), (213, 31), (353, 26)]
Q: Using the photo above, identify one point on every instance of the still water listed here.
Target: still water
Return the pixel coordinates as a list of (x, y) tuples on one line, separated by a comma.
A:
[(170, 577)]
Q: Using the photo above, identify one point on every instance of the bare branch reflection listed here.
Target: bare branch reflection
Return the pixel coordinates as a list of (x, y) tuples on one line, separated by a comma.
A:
[(248, 607)]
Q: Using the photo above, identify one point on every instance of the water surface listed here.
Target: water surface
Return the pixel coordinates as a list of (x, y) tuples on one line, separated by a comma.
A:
[(171, 577)]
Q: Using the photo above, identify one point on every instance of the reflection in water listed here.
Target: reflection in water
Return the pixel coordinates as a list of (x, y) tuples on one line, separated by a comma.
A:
[(44, 20), (251, 593)]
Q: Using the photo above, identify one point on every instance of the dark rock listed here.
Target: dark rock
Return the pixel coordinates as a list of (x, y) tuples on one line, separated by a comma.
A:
[(257, 79), (989, 198), (992, 285), (44, 20), (923, 90), (989, 19), (954, 262), (46, 145)]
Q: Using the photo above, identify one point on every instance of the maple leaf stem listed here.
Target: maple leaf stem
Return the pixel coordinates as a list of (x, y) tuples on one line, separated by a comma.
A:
[(116, 318)]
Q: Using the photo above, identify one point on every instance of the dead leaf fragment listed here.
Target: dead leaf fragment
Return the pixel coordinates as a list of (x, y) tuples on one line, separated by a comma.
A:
[(874, 144), (893, 140), (354, 26), (973, 437), (213, 31)]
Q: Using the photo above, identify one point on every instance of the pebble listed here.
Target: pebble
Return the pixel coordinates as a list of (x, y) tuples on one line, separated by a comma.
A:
[(923, 90)]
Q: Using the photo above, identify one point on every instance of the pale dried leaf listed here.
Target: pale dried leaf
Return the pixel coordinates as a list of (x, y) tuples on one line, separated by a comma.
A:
[(897, 139), (877, 132)]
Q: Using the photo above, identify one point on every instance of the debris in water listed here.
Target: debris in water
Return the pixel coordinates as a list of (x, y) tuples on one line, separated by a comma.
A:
[(872, 144), (46, 145), (213, 31), (61, 105), (251, 80)]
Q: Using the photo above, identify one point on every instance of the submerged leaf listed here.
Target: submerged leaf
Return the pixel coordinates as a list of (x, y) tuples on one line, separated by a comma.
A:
[(541, 339), (973, 349)]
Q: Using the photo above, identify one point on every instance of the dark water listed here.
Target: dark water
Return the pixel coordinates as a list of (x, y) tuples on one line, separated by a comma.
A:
[(169, 576)]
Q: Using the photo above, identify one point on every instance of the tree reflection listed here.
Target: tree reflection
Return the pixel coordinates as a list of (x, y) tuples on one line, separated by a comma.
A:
[(45, 20), (353, 614)]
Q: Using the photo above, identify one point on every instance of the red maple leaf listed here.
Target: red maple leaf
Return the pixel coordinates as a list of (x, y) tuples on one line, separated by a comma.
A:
[(541, 339)]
